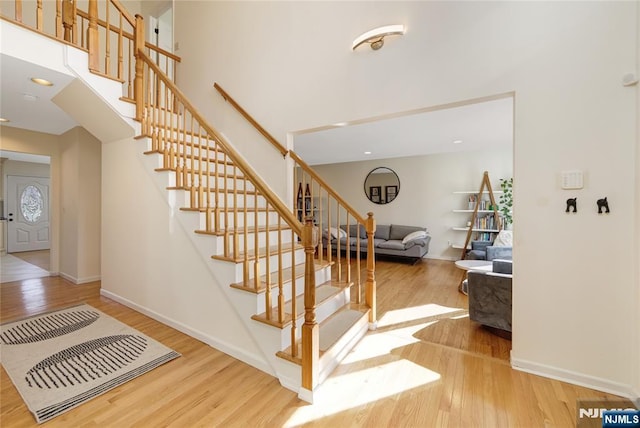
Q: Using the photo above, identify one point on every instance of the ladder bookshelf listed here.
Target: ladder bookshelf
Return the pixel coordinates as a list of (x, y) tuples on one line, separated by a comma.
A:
[(485, 185)]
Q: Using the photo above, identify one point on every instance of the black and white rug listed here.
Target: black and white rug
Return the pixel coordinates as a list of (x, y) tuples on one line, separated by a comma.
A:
[(62, 359)]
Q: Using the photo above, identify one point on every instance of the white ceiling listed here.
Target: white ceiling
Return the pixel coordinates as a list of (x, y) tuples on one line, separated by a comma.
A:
[(479, 126), (39, 114)]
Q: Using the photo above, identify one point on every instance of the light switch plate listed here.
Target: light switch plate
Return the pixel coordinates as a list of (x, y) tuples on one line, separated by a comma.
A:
[(572, 179)]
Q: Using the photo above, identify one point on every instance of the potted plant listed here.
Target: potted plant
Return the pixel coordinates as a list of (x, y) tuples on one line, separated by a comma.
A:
[(506, 201)]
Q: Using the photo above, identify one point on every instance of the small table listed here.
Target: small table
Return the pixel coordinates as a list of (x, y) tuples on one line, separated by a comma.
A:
[(467, 265)]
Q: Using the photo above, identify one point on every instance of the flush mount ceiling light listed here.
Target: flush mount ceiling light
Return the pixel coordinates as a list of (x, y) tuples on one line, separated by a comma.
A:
[(3, 120), (375, 37), (39, 81)]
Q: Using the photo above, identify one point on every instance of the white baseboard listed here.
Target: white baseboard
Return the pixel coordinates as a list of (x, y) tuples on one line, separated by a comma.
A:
[(228, 349), (448, 259), (575, 378), (305, 395), (77, 280)]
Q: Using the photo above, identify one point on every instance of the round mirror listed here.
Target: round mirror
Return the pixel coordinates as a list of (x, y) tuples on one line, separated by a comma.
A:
[(382, 185)]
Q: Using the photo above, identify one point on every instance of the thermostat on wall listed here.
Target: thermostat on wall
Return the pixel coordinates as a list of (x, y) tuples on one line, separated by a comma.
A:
[(572, 179)]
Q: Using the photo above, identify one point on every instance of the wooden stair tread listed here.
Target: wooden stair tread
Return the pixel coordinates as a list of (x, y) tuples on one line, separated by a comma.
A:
[(241, 230), (221, 192), (240, 209), (219, 174), (286, 277), (331, 330), (197, 146), (262, 252), (211, 159), (324, 292)]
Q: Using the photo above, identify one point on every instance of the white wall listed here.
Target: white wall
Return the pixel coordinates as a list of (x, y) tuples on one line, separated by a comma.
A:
[(150, 263), (426, 195), (81, 200), (564, 61)]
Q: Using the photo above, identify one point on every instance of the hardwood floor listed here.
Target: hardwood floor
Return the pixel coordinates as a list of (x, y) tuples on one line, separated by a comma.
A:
[(427, 365), (40, 258)]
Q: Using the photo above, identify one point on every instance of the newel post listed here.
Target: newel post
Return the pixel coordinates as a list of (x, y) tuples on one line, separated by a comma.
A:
[(92, 37), (370, 284), (138, 83), (310, 329)]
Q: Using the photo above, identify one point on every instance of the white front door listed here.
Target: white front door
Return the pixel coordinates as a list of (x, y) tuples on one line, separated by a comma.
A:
[(27, 213)]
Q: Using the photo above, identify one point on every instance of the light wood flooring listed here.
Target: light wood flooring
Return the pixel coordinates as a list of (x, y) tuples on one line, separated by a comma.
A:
[(427, 365), (40, 258)]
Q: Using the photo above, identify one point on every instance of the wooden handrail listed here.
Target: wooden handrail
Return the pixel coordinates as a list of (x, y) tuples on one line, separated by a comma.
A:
[(326, 187), (130, 36), (163, 52), (265, 190), (124, 12), (251, 120)]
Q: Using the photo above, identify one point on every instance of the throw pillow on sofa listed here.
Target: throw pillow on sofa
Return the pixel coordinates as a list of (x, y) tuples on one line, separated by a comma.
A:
[(504, 239), (335, 233), (418, 234)]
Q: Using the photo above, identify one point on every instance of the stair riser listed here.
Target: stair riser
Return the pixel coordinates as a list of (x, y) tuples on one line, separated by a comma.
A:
[(227, 220), (224, 185), (323, 311), (330, 360), (182, 151), (223, 161), (273, 264), (231, 200), (328, 307), (232, 239), (321, 277)]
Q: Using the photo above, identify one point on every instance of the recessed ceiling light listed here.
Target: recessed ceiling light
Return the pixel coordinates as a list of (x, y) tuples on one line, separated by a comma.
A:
[(29, 97), (457, 142), (367, 153), (40, 81), (2, 119)]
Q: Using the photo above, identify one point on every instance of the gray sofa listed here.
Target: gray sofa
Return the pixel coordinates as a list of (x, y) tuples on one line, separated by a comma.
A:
[(490, 295), (389, 240)]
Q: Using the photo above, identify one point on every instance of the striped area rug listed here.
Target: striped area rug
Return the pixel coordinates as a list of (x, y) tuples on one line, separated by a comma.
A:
[(62, 359)]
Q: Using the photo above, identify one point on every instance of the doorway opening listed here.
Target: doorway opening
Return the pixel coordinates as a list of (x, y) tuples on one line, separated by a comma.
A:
[(25, 230)]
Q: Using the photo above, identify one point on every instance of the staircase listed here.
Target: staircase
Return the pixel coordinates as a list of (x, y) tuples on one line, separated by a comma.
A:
[(294, 292)]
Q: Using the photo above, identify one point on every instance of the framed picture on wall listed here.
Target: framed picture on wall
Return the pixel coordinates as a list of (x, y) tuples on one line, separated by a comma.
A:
[(375, 193), (390, 193)]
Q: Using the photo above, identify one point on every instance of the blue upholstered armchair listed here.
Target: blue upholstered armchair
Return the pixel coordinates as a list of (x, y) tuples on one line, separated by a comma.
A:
[(485, 250)]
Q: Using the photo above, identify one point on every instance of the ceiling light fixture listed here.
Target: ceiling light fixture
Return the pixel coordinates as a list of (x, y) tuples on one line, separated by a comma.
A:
[(3, 120), (40, 81), (376, 36), (457, 142), (29, 97), (367, 153)]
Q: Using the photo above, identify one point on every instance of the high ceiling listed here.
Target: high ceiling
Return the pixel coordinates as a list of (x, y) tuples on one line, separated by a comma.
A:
[(473, 126)]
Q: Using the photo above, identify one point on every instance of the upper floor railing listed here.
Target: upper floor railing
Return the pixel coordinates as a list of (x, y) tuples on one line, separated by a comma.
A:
[(105, 30)]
